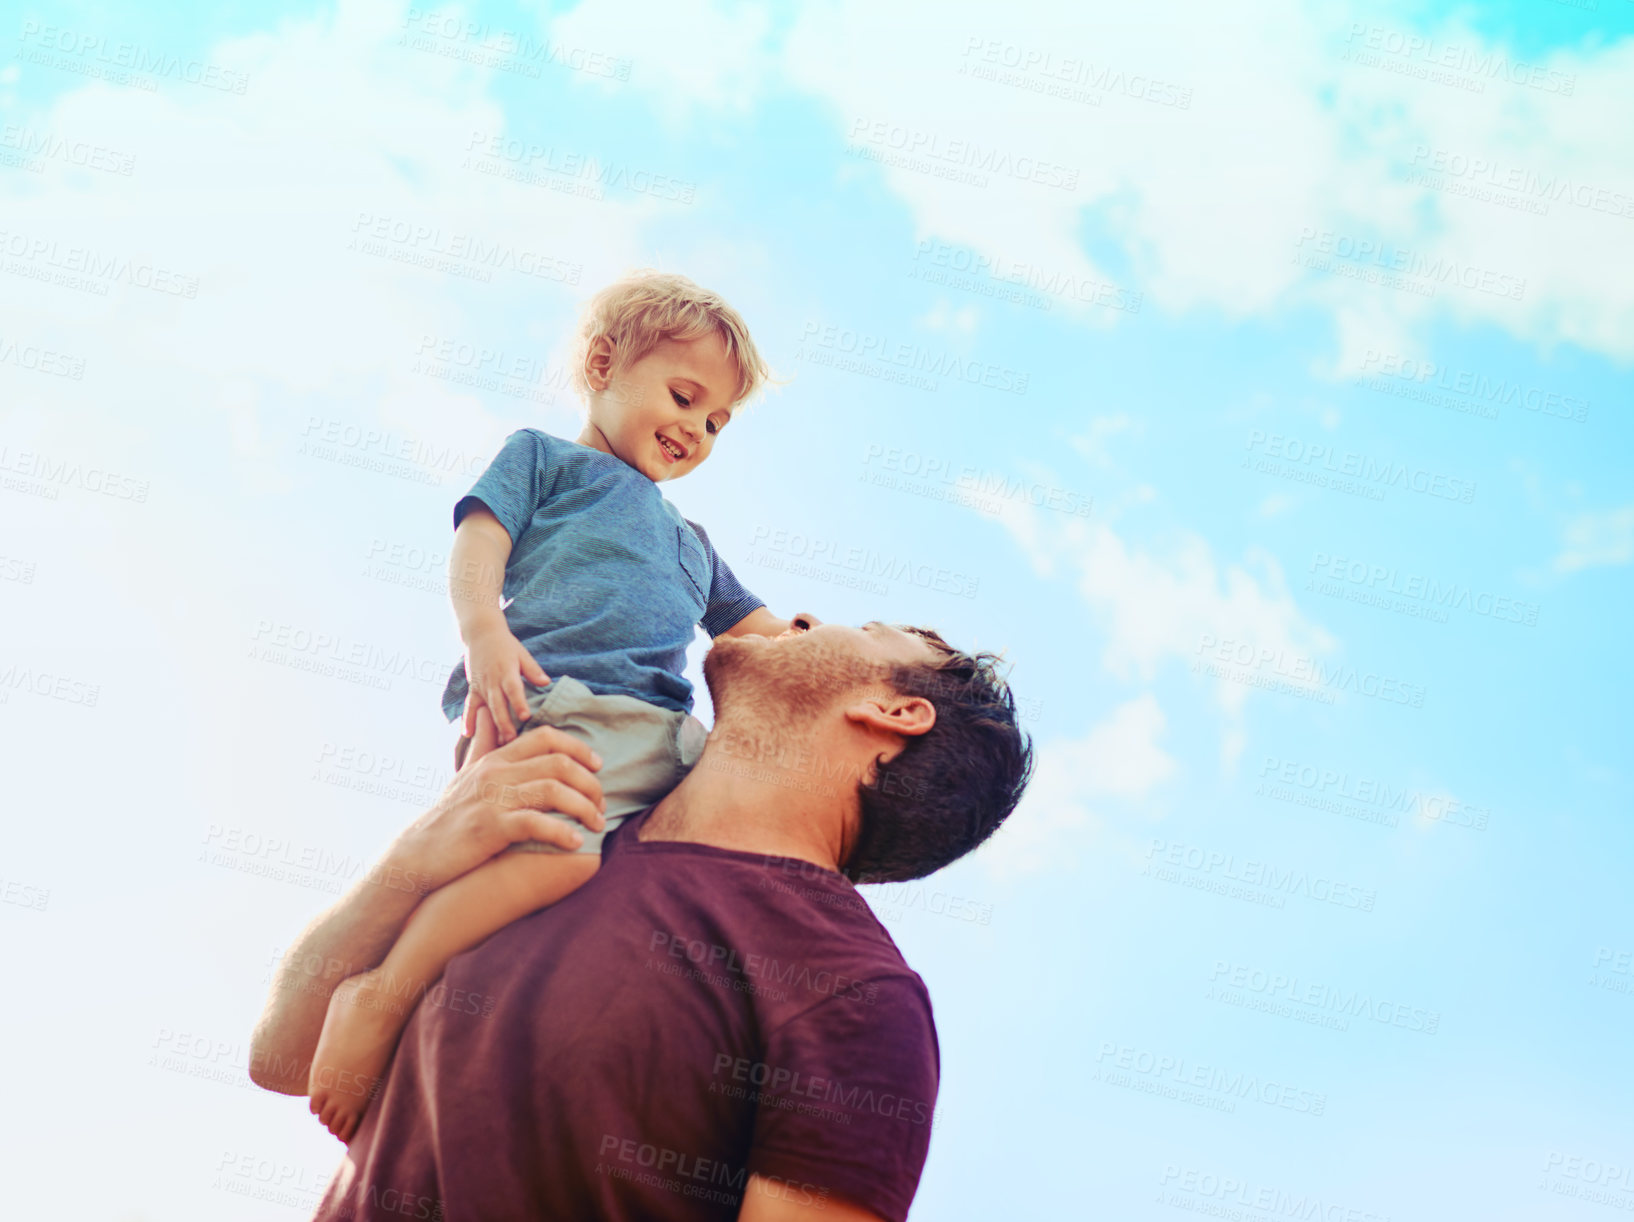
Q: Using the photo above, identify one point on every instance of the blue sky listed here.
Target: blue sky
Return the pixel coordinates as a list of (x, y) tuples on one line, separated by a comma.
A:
[(1258, 383)]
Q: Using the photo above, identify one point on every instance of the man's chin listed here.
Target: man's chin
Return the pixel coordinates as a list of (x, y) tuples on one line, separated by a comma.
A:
[(732, 658), (781, 678), (724, 657)]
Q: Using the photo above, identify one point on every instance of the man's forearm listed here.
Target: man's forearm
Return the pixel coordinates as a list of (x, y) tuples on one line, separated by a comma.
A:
[(496, 799), (350, 937)]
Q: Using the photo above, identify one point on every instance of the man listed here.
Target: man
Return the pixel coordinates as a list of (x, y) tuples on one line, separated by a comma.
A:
[(715, 1026)]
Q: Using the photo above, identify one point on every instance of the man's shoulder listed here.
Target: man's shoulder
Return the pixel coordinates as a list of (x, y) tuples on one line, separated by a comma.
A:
[(779, 907)]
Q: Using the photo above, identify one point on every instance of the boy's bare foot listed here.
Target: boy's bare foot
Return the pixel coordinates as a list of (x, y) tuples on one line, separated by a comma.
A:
[(360, 1031)]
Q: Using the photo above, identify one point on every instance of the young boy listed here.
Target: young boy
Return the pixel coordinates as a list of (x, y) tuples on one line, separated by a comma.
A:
[(605, 581)]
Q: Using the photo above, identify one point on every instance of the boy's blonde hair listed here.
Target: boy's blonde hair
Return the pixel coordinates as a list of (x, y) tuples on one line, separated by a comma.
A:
[(648, 307)]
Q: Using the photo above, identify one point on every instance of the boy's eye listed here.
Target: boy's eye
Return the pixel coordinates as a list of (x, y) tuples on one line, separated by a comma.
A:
[(680, 398), (711, 427)]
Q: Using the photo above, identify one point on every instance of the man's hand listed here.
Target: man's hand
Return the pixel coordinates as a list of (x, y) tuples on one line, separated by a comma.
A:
[(498, 797), (495, 665)]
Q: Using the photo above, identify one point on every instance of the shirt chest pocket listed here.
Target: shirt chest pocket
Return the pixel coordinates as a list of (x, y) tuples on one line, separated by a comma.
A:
[(694, 563)]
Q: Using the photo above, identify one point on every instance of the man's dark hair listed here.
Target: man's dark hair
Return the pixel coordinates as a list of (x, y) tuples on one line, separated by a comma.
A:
[(949, 788)]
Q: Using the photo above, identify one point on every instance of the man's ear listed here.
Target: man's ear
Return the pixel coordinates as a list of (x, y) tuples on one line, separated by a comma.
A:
[(598, 363), (909, 716)]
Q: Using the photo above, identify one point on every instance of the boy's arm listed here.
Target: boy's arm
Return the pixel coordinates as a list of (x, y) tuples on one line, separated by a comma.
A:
[(476, 569), (759, 622), (724, 613), (495, 661)]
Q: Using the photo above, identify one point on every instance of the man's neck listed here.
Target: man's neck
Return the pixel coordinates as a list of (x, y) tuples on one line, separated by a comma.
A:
[(778, 807)]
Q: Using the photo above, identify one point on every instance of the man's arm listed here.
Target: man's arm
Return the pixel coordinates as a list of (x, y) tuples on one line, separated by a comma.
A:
[(770, 1200), (860, 1155), (497, 798), (350, 937)]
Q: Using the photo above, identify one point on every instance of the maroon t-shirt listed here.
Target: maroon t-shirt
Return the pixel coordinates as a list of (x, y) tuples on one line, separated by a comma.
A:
[(689, 1017)]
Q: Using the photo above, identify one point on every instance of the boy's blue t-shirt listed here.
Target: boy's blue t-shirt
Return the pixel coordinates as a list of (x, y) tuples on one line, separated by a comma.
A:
[(606, 579)]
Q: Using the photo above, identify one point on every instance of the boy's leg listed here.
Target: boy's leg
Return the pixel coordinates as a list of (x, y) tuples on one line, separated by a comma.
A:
[(645, 750), (367, 1012)]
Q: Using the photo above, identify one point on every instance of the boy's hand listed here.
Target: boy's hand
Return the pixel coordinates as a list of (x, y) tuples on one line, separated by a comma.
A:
[(498, 797), (760, 622), (495, 665)]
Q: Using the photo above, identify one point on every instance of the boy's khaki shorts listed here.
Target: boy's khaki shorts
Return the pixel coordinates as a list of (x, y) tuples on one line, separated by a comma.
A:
[(645, 750)]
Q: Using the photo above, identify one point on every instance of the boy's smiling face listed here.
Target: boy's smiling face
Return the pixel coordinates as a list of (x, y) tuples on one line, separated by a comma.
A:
[(660, 414)]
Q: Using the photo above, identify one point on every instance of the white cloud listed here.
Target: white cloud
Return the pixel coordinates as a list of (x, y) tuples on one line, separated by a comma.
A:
[(267, 199), (1275, 505), (1595, 539), (1160, 607), (944, 317), (1092, 444), (1288, 141), (257, 196), (1117, 760), (687, 53), (1180, 604)]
